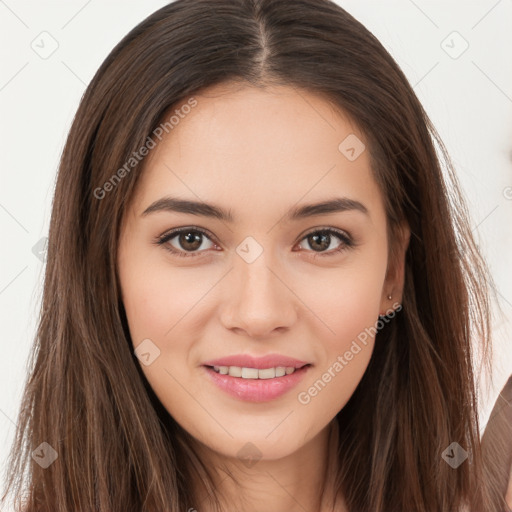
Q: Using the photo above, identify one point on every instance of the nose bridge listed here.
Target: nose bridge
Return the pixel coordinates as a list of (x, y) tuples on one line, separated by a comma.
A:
[(258, 301), (256, 278)]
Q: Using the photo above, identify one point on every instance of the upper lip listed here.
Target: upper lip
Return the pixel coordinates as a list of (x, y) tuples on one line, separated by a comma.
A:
[(247, 361)]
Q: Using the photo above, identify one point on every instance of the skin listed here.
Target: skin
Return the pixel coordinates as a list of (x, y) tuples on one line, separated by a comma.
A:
[(258, 153)]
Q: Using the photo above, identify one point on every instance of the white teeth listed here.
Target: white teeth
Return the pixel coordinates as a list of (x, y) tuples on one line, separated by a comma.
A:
[(280, 371), (267, 373), (235, 371), (254, 373), (249, 373)]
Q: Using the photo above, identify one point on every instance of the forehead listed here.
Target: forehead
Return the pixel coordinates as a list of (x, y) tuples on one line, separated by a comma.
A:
[(250, 147)]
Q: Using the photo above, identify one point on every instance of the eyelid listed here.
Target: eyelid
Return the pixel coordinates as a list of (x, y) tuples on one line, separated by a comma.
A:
[(175, 231), (169, 235), (346, 239), (339, 232)]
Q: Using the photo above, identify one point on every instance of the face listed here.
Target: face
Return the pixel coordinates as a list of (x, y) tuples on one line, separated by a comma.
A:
[(251, 278)]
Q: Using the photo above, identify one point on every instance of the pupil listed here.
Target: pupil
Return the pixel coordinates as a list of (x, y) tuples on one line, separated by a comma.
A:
[(324, 241), (190, 240)]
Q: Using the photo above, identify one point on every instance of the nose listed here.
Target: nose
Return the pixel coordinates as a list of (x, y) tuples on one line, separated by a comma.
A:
[(259, 300)]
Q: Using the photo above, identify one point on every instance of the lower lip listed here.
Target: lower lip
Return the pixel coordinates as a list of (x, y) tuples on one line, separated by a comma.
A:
[(256, 390)]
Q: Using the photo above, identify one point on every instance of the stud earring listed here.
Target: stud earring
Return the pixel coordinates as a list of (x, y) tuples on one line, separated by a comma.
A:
[(382, 315)]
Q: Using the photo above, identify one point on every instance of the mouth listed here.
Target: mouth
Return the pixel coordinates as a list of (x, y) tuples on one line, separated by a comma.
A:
[(256, 373), (256, 384)]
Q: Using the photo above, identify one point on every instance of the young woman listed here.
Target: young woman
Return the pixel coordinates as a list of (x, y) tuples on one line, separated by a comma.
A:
[(262, 291)]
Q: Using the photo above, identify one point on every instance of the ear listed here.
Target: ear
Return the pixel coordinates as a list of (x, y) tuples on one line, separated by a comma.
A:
[(395, 273)]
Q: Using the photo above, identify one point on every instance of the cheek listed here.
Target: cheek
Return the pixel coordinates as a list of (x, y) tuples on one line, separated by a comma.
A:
[(156, 298), (346, 350), (356, 309), (347, 305), (345, 300), (157, 302)]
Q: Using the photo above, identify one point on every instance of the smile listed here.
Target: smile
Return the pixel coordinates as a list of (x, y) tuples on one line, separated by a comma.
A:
[(254, 373), (253, 384)]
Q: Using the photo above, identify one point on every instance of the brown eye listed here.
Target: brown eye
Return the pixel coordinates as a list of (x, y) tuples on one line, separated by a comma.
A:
[(185, 242), (319, 241), (190, 240)]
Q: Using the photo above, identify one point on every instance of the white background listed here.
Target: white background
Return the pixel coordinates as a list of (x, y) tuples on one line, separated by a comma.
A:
[(468, 98)]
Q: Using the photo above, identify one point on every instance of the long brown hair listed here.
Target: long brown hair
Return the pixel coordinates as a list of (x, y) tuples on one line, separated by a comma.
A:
[(86, 397)]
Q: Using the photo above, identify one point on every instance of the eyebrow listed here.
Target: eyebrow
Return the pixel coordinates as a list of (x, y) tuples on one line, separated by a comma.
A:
[(173, 204)]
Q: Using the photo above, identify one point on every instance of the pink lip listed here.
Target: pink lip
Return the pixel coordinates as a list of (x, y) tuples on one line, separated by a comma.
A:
[(256, 390), (247, 361)]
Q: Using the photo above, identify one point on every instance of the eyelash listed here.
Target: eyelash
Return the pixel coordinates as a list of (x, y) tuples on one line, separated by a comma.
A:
[(347, 242)]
